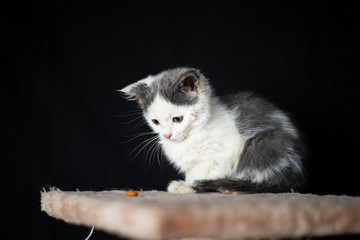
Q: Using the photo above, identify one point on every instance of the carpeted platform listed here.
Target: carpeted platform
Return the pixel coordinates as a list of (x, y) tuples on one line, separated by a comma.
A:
[(162, 215)]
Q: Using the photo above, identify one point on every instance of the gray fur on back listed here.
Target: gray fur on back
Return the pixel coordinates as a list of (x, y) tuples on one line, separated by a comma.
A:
[(272, 142)]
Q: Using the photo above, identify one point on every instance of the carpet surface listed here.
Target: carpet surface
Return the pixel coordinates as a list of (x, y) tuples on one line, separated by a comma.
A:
[(163, 215)]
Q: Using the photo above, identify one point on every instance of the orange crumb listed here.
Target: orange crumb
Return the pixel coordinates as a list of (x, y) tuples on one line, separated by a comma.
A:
[(131, 193)]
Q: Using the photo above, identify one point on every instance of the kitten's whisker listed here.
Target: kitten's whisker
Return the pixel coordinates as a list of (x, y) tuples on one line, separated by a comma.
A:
[(145, 145), (128, 113), (149, 146), (140, 147), (140, 134), (159, 154), (149, 158), (152, 142), (135, 136), (130, 121), (139, 124), (153, 153)]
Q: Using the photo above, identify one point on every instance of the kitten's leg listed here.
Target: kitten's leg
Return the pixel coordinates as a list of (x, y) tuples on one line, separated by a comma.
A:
[(200, 171), (180, 187)]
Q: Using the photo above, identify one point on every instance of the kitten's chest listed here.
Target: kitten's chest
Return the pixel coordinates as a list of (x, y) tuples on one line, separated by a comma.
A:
[(217, 146)]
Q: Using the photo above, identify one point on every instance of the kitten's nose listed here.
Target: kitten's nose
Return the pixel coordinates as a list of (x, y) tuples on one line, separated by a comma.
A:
[(168, 136)]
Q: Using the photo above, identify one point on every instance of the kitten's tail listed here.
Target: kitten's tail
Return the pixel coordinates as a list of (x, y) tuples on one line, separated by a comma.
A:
[(237, 185)]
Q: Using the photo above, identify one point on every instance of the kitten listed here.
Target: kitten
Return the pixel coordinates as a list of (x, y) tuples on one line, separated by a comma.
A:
[(239, 143)]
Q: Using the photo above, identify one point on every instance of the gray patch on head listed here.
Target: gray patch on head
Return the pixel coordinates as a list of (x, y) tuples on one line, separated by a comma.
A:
[(169, 85)]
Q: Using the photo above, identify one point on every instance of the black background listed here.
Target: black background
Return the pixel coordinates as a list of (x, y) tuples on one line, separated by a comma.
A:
[(62, 64)]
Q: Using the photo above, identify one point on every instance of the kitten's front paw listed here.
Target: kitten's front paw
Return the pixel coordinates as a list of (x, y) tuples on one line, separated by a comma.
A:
[(180, 187)]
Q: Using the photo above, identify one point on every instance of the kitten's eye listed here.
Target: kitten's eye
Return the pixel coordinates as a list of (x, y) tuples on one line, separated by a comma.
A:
[(178, 119), (156, 122)]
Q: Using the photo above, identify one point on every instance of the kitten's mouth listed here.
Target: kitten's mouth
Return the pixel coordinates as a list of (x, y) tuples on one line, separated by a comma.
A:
[(179, 139), (173, 138)]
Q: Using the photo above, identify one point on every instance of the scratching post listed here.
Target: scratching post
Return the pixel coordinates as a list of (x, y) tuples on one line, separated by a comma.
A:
[(163, 215)]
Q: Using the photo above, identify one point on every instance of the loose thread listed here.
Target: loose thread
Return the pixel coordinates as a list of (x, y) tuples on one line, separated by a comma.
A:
[(91, 231)]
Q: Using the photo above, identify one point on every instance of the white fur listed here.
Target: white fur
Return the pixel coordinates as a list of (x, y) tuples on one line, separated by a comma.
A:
[(180, 187), (205, 145)]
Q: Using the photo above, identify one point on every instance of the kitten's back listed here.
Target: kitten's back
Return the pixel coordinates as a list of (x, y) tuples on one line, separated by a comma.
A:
[(273, 156)]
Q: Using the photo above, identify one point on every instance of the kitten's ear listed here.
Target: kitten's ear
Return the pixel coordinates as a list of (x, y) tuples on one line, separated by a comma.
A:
[(190, 83), (138, 91)]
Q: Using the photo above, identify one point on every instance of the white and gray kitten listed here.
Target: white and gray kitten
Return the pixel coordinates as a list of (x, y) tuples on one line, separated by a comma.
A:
[(239, 143)]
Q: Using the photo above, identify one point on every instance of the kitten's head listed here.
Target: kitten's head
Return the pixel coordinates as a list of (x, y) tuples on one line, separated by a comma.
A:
[(174, 101)]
